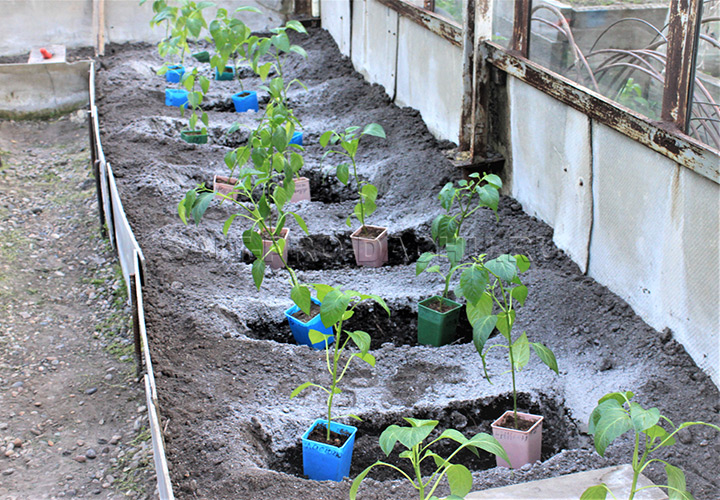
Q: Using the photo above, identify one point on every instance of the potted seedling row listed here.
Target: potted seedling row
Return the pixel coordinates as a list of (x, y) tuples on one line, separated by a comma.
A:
[(370, 243), (327, 445), (438, 315)]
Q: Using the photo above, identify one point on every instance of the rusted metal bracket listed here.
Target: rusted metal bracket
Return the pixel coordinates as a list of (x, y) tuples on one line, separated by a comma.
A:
[(491, 163)]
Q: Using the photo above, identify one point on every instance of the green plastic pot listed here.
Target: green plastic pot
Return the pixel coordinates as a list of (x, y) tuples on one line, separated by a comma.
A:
[(436, 328), (193, 137), (203, 56)]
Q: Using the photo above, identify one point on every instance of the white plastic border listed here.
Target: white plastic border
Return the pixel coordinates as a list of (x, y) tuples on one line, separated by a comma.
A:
[(132, 262)]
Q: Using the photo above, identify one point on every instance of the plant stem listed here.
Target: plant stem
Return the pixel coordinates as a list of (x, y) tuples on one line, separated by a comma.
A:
[(418, 473), (333, 374), (514, 391), (357, 181)]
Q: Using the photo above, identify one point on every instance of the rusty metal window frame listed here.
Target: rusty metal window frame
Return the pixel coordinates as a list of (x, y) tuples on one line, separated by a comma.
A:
[(427, 18), (669, 135)]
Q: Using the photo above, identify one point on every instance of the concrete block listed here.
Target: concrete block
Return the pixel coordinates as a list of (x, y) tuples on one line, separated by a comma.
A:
[(551, 160), (571, 486)]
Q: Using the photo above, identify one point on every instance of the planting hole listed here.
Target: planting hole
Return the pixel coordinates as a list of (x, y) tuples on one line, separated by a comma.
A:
[(468, 417)]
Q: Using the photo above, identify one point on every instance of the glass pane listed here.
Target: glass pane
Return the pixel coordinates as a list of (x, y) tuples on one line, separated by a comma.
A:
[(503, 18), (705, 111), (451, 9), (616, 48)]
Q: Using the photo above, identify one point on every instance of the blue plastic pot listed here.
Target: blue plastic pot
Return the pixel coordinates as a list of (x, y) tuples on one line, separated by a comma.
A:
[(301, 331), (245, 101), (297, 138), (323, 462), (228, 74), (176, 97), (174, 73)]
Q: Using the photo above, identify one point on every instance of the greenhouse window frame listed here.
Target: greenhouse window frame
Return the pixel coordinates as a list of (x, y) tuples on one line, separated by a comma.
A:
[(427, 18)]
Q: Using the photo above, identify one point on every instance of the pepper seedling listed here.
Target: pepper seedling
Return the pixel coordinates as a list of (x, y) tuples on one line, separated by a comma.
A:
[(337, 307), (615, 415), (458, 476)]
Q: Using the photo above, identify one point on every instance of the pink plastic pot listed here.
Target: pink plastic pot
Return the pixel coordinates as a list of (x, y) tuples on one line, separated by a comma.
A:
[(224, 185), (370, 252), (522, 447), (302, 190), (272, 259)]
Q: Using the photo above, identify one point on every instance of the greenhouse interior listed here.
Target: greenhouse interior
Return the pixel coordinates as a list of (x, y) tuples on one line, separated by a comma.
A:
[(257, 249)]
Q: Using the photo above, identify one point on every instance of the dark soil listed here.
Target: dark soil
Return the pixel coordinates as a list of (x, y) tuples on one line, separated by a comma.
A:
[(319, 434), (224, 359), (440, 305), (370, 232), (520, 424), (301, 316)]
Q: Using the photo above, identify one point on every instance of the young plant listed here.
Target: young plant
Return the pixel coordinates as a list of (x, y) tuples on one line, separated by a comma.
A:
[(264, 188), (347, 145), (496, 285), (195, 98), (181, 24), (459, 477), (230, 36), (337, 307), (470, 196), (615, 415)]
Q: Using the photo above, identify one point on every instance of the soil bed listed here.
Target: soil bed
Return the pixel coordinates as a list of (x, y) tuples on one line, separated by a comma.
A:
[(224, 387)]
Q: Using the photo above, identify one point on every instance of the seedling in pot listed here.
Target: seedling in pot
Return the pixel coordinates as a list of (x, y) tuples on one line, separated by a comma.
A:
[(369, 242), (230, 36), (615, 415), (337, 307), (437, 316), (458, 476), (496, 285), (195, 97)]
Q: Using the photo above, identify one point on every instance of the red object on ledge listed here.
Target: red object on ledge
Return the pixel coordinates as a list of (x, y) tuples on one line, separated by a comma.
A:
[(45, 53)]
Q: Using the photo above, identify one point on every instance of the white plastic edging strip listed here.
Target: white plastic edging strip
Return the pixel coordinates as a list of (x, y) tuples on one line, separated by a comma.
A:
[(126, 242), (165, 491), (91, 83), (143, 333)]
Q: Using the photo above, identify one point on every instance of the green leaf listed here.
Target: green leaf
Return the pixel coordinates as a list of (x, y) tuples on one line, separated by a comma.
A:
[(504, 267), (676, 481), (522, 262), (361, 340), (369, 192), (598, 492), (454, 435), (446, 195), (474, 282), (490, 444), (367, 357), (258, 272), (657, 432), (643, 419), (299, 389), (322, 290), (407, 436), (374, 129), (325, 138), (546, 356), (620, 397), (201, 205), (456, 251), (264, 70), (317, 337), (489, 197), (521, 352), (444, 229), (519, 294), (253, 242), (480, 309), (342, 172), (613, 422), (493, 180), (422, 262), (334, 305), (356, 482), (300, 222), (460, 480), (296, 25), (300, 295), (482, 329)]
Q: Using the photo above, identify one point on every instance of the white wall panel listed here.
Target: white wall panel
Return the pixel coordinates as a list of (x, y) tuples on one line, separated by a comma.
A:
[(551, 166), (374, 43), (655, 241), (429, 78), (335, 17)]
